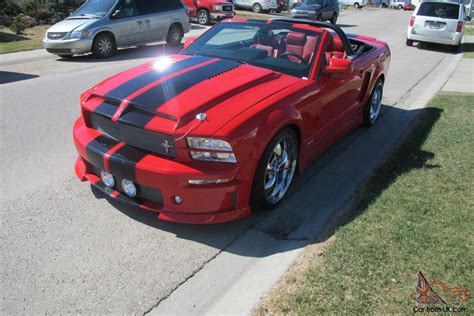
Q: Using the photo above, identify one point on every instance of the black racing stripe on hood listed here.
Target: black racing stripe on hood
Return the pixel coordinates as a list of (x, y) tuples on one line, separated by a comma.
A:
[(159, 95), (123, 162), (129, 87), (124, 90), (97, 148)]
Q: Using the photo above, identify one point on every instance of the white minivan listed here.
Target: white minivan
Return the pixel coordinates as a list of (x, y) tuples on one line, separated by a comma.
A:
[(257, 6), (437, 21), (353, 3)]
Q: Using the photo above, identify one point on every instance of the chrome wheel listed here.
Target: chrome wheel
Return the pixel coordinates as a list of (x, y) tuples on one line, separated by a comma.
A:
[(280, 170), (257, 8), (175, 35), (375, 104), (203, 17), (104, 46)]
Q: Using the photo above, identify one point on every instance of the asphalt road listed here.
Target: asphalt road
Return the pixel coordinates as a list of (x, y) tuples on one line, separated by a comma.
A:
[(65, 251)]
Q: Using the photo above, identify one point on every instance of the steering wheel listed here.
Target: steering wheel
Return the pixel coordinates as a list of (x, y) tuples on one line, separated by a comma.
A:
[(288, 54)]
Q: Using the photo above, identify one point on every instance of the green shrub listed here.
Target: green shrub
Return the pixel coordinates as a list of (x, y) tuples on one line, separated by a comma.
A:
[(37, 9), (17, 25), (10, 9)]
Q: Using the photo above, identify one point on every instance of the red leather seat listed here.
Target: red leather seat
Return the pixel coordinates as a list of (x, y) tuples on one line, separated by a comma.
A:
[(301, 45)]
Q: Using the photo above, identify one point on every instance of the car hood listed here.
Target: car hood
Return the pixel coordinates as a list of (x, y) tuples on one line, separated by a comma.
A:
[(69, 25), (167, 94)]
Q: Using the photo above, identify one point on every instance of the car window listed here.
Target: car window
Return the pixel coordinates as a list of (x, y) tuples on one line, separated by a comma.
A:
[(312, 2), (94, 8), (148, 6), (439, 10), (275, 46), (125, 9)]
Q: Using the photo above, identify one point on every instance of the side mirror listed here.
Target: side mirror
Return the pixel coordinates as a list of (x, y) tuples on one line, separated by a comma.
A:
[(189, 41), (115, 14), (339, 66)]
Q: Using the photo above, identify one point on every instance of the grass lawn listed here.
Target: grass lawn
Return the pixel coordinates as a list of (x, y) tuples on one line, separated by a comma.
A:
[(468, 50), (469, 30), (416, 213), (30, 39)]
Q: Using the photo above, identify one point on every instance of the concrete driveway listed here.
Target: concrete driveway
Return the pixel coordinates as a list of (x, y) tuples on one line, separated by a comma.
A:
[(65, 251)]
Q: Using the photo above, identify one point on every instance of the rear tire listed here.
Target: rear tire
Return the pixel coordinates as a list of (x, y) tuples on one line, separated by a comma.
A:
[(104, 46), (409, 42), (319, 17), (400, 7), (203, 17), (356, 5), (373, 106), (175, 35), (275, 170), (333, 19), (257, 8)]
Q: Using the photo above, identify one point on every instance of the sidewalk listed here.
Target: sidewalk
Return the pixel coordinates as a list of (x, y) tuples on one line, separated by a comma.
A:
[(462, 80)]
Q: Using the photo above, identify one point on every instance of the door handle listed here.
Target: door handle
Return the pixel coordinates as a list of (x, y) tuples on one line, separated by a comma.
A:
[(139, 22), (147, 21)]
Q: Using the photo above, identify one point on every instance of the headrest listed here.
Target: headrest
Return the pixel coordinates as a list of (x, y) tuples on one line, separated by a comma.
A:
[(296, 38), (265, 38), (338, 46)]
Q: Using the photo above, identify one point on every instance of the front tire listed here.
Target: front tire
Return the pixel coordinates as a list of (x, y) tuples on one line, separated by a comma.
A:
[(319, 18), (175, 35), (203, 17), (257, 8), (356, 5), (276, 170), (373, 106), (104, 46), (333, 19)]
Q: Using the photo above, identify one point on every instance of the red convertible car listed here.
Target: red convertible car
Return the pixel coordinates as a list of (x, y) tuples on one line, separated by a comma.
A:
[(223, 126)]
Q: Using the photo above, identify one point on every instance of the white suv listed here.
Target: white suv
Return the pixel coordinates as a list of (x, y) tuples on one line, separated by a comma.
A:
[(437, 22), (257, 6)]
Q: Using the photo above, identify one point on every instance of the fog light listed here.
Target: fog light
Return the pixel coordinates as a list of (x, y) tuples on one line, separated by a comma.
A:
[(178, 199), (107, 178), (129, 188)]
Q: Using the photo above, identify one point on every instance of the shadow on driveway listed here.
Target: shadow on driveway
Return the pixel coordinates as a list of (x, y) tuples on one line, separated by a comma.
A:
[(8, 77)]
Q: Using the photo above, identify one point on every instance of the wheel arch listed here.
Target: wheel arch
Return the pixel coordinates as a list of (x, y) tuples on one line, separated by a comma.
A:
[(108, 32)]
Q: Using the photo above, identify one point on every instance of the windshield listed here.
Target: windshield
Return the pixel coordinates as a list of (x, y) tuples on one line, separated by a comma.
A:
[(439, 10), (312, 2), (94, 8), (276, 46)]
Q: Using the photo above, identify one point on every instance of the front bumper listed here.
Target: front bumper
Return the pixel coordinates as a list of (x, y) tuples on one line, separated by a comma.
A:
[(69, 46), (217, 16), (165, 178)]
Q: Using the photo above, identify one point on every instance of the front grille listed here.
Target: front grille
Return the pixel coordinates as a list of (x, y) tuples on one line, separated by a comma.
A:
[(58, 51), (227, 7), (133, 136), (56, 35), (143, 192)]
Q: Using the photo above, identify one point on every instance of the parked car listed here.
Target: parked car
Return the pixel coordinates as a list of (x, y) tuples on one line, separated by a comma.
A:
[(257, 6), (320, 10), (100, 26), (354, 3), (276, 95), (408, 6), (398, 4), (437, 22), (206, 11), (293, 3)]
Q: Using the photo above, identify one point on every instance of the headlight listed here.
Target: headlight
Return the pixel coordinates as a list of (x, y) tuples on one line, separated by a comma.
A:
[(208, 143), (78, 34), (211, 156), (217, 7)]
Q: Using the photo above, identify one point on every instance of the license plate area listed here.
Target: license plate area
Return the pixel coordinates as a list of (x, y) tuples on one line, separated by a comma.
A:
[(435, 25)]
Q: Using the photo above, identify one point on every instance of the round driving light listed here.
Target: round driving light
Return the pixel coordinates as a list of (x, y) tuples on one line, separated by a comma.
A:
[(129, 188), (178, 199), (107, 178)]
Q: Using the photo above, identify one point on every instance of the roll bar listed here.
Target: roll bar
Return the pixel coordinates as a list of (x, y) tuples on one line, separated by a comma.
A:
[(345, 42)]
